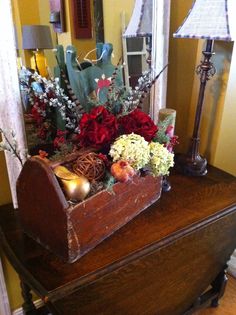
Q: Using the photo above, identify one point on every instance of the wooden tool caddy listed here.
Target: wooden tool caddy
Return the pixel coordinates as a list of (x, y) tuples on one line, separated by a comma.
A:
[(71, 230)]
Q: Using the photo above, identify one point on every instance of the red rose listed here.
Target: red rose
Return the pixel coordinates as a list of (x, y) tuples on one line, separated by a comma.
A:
[(98, 128), (140, 123)]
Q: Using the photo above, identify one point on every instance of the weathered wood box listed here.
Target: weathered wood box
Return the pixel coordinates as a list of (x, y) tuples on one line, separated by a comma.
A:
[(70, 231)]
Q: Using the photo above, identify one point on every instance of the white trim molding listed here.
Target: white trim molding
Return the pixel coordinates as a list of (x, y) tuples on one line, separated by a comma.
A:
[(4, 302), (160, 49), (19, 311), (232, 265)]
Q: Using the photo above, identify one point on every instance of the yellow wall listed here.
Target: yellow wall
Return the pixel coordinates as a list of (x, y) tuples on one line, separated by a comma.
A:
[(226, 146), (182, 58), (5, 194), (112, 10)]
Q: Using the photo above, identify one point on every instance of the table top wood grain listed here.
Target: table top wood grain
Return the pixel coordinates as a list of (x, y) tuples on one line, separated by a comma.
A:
[(192, 203)]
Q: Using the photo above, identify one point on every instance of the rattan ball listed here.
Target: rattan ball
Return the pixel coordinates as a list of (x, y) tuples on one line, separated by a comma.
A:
[(90, 166)]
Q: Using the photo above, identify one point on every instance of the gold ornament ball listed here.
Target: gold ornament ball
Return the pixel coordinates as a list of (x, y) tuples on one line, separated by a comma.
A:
[(76, 189)]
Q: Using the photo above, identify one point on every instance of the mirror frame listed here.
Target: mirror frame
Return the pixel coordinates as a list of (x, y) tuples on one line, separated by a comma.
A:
[(11, 114), (160, 52)]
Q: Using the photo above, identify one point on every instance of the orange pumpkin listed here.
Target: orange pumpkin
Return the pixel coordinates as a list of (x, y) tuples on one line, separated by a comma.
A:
[(122, 171)]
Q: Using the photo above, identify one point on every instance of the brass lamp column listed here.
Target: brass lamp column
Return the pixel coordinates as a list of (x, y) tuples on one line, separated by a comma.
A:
[(208, 19)]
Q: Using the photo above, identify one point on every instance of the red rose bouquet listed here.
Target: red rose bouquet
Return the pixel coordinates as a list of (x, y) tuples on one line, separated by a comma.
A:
[(121, 114), (97, 128)]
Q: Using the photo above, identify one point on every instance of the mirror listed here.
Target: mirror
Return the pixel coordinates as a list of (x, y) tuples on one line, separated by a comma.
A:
[(112, 31)]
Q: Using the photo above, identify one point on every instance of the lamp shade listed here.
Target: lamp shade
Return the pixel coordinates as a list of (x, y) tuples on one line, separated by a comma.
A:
[(140, 24), (36, 37), (208, 19)]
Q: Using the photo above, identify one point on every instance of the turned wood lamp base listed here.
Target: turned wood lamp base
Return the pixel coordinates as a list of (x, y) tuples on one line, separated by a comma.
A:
[(196, 166), (192, 163)]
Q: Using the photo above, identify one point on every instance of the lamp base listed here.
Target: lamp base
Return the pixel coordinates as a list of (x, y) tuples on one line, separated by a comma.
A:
[(191, 167), (166, 186), (38, 63)]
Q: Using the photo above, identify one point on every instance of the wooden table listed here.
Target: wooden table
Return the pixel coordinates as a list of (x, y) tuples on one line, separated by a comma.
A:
[(159, 263)]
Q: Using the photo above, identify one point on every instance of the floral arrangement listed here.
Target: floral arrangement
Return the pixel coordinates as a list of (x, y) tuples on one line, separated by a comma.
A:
[(118, 139)]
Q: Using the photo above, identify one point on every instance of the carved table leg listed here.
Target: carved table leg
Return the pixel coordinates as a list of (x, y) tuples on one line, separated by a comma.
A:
[(211, 296), (28, 305), (219, 285)]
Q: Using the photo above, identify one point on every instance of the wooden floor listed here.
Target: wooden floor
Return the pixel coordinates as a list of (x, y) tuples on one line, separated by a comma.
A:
[(227, 303)]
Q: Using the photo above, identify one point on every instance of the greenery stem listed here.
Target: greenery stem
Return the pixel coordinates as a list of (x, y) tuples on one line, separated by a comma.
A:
[(12, 148)]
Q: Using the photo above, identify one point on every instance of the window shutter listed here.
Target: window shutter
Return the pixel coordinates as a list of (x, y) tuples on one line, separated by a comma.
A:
[(82, 19)]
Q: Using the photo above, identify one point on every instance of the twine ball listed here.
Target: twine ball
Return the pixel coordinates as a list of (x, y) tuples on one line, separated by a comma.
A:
[(90, 166)]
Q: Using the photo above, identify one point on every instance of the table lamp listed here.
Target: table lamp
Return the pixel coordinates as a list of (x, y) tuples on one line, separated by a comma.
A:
[(37, 38), (140, 24), (210, 20)]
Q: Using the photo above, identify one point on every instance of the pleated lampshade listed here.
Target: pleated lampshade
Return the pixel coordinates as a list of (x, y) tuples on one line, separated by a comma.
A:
[(36, 37), (209, 19), (140, 24)]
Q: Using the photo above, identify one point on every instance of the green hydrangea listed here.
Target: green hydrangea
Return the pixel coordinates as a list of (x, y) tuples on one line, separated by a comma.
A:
[(160, 159), (132, 148)]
